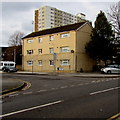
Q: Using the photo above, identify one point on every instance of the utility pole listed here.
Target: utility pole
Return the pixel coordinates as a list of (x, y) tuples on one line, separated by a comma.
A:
[(54, 59), (32, 65), (15, 55)]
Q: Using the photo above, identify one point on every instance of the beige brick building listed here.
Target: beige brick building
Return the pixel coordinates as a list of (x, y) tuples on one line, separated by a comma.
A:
[(58, 49)]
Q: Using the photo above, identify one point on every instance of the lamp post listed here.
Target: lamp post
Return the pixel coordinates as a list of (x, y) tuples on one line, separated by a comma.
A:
[(32, 65), (54, 59)]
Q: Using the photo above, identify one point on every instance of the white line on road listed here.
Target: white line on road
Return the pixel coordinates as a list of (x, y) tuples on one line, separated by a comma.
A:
[(42, 91), (72, 86), (27, 93), (64, 87), (13, 95), (54, 88), (102, 91), (32, 108)]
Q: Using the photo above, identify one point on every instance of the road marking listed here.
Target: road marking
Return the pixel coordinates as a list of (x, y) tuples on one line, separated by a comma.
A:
[(13, 95), (42, 91), (93, 81), (114, 117), (98, 81), (72, 85), (32, 108), (54, 88), (27, 93), (86, 83), (102, 91), (64, 87)]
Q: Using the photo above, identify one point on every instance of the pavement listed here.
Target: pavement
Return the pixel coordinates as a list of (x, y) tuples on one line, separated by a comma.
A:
[(10, 85)]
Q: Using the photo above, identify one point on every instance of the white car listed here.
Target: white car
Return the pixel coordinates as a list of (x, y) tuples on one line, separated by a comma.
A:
[(111, 69)]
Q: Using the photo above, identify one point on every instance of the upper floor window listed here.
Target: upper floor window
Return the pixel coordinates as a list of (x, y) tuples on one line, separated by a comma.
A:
[(29, 51), (51, 37), (29, 41), (64, 35), (65, 49), (51, 50), (39, 40), (40, 51)]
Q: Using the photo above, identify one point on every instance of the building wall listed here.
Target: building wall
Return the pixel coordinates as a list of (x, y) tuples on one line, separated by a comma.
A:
[(56, 43), (83, 60), (75, 41)]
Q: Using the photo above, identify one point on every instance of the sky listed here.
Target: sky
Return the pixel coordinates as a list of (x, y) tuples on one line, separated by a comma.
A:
[(18, 15)]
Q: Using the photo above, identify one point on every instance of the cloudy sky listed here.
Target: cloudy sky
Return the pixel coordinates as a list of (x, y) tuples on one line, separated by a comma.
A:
[(18, 15)]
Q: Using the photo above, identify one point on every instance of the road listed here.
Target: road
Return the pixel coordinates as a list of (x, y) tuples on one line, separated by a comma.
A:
[(62, 97)]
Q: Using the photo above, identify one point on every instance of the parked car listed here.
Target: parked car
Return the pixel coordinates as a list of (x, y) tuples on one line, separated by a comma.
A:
[(9, 69), (111, 69)]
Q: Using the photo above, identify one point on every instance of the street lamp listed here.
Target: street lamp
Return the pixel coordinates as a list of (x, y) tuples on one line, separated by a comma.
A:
[(32, 65), (54, 59)]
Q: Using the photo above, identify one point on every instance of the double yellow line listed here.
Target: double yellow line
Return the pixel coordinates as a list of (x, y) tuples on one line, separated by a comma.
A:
[(28, 85), (115, 117)]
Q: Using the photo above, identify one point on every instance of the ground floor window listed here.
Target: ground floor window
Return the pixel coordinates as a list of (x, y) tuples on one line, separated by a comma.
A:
[(40, 62), (65, 62), (29, 63), (51, 62)]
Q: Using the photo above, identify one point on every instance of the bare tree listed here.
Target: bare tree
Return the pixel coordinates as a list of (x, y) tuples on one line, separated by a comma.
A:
[(114, 17), (16, 38)]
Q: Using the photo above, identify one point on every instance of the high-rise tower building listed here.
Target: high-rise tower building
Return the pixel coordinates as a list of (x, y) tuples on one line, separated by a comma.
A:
[(49, 17)]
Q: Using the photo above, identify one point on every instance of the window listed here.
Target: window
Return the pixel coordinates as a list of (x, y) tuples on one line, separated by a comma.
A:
[(11, 64), (51, 62), (40, 62), (29, 51), (40, 51), (65, 49), (51, 50), (39, 40), (29, 41), (51, 37), (64, 35), (65, 62), (1, 64), (29, 63)]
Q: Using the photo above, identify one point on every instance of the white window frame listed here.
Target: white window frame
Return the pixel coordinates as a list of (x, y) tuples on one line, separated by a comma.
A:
[(65, 62), (65, 35), (40, 62), (51, 50), (40, 39), (40, 51), (51, 37), (30, 41), (65, 49), (51, 62), (29, 63), (29, 52)]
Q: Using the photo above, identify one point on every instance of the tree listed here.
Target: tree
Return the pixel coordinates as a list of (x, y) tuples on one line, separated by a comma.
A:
[(101, 45), (114, 17), (16, 38), (13, 53)]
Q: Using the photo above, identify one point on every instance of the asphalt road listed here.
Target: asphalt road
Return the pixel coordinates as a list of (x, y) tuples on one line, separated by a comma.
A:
[(62, 97)]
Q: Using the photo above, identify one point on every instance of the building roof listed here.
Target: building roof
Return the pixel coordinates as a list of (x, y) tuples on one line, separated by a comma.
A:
[(56, 30)]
